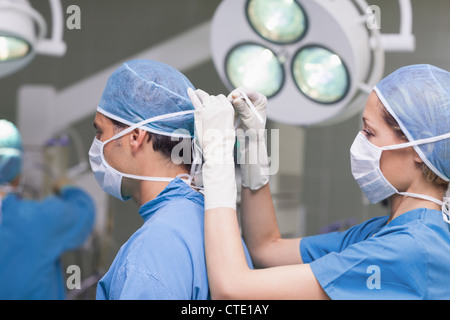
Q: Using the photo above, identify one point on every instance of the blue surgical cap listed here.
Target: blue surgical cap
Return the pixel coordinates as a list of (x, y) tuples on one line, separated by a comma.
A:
[(143, 89), (10, 152), (418, 97)]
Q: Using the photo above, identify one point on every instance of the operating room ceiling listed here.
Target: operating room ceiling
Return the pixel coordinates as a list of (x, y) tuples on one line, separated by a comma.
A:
[(111, 31), (114, 30)]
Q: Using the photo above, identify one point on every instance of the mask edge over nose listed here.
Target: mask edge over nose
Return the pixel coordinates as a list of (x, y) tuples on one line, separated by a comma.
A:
[(108, 179)]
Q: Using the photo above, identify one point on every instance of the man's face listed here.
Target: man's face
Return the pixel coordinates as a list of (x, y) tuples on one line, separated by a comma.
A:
[(115, 152)]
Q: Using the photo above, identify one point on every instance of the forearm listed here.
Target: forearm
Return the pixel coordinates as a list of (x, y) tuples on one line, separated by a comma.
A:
[(261, 232), (225, 256), (228, 273), (258, 219)]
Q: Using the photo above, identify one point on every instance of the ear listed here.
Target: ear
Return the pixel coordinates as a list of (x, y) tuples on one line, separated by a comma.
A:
[(417, 159), (138, 138)]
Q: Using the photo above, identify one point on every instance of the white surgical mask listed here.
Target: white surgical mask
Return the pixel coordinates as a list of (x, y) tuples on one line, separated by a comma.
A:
[(365, 164), (110, 179)]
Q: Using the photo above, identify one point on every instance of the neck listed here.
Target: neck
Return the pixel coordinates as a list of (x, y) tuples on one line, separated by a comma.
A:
[(145, 191), (401, 204)]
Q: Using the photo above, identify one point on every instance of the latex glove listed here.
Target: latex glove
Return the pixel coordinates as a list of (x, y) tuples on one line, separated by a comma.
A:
[(254, 160), (249, 120), (216, 135)]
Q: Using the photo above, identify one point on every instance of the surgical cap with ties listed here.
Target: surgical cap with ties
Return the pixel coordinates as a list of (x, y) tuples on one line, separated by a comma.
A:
[(418, 97), (142, 89)]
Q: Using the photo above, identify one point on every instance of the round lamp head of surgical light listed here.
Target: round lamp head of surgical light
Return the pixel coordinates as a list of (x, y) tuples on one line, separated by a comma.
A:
[(278, 21), (314, 60), (255, 66), (320, 75), (22, 32), (17, 37), (12, 48)]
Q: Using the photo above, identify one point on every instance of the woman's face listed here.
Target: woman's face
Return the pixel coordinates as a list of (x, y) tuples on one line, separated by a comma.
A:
[(398, 166)]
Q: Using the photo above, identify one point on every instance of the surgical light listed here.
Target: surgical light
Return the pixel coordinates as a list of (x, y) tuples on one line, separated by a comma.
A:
[(316, 60), (255, 66), (320, 74), (12, 48), (279, 21), (22, 34)]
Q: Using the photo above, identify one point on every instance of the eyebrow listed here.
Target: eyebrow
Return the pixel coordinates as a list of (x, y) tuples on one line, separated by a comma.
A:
[(96, 127), (367, 122)]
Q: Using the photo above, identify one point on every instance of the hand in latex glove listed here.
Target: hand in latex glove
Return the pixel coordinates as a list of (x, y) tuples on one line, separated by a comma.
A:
[(216, 135), (249, 120), (254, 164)]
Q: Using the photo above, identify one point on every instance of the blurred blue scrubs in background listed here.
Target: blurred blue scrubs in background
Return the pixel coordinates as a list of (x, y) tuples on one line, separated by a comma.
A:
[(34, 234)]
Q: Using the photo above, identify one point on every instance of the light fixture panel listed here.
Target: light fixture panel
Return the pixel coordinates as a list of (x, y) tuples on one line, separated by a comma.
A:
[(278, 21), (12, 48), (320, 74), (22, 34), (254, 66), (324, 69)]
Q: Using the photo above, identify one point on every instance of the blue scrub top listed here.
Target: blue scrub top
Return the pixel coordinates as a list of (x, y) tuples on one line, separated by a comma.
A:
[(165, 258), (33, 236), (409, 258)]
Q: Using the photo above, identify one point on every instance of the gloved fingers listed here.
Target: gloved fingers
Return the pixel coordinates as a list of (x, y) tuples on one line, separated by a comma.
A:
[(228, 112), (258, 113), (225, 102), (239, 104), (196, 102), (203, 96), (200, 99), (235, 94), (257, 98), (241, 107)]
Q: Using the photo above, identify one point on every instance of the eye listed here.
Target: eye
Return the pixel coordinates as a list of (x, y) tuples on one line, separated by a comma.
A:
[(367, 133), (97, 131), (98, 134)]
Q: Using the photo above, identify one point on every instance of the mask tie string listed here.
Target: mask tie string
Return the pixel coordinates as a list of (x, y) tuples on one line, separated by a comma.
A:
[(446, 210)]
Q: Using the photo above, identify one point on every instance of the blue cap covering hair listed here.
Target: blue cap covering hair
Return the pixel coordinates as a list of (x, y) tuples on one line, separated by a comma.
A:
[(11, 151), (418, 97), (143, 89)]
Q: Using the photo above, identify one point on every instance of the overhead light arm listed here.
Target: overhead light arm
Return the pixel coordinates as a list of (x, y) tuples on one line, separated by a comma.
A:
[(23, 33), (55, 46), (403, 41), (26, 9)]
